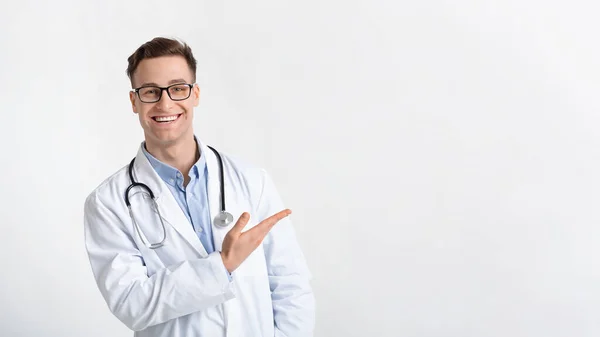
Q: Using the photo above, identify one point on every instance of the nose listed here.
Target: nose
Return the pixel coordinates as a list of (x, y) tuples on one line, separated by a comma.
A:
[(164, 101)]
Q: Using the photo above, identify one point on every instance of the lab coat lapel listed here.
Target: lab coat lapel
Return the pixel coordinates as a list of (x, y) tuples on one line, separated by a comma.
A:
[(231, 307), (169, 209), (214, 194)]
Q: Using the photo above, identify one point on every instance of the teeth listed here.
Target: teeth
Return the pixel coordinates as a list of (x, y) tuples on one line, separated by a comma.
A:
[(165, 118)]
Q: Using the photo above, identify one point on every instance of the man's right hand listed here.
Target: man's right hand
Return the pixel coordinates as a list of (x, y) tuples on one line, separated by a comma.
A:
[(237, 246)]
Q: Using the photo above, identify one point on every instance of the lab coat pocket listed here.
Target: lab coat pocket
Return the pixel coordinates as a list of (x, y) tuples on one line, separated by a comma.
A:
[(254, 265)]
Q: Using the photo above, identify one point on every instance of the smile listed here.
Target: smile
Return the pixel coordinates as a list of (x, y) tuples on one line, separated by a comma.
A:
[(166, 119)]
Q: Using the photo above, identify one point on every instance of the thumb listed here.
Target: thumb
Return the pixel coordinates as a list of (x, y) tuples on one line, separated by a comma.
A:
[(241, 223)]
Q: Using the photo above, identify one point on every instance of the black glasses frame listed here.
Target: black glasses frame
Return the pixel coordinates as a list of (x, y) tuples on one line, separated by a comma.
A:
[(137, 91)]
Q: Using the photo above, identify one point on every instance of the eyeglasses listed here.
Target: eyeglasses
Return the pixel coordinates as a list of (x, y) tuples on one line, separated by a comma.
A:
[(176, 92)]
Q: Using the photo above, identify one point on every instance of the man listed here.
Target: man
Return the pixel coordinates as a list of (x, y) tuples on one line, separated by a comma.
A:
[(164, 258)]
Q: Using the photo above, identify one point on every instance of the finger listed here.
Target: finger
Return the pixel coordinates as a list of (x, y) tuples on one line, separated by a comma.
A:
[(265, 226), (241, 223)]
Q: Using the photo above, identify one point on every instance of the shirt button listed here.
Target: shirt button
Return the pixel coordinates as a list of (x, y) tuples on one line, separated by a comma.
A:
[(172, 181), (199, 230)]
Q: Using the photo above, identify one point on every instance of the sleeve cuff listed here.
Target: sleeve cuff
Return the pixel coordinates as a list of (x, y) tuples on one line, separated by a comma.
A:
[(222, 266), (222, 275)]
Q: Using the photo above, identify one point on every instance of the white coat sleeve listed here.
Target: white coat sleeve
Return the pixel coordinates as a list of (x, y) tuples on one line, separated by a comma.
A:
[(289, 276), (134, 298)]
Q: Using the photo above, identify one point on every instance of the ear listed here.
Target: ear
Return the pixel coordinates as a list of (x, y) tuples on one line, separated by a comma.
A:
[(196, 93), (132, 99)]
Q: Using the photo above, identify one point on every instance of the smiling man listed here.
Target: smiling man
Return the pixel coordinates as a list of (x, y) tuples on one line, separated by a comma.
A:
[(185, 240)]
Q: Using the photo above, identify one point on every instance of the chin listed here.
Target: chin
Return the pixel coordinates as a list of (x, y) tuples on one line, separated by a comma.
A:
[(169, 137)]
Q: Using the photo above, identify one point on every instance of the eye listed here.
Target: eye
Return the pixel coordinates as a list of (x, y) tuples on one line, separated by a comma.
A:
[(180, 88)]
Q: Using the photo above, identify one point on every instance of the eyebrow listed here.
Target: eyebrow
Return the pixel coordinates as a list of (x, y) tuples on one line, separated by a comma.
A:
[(152, 84)]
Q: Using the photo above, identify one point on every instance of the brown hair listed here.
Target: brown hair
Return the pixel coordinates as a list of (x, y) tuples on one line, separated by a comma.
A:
[(161, 46)]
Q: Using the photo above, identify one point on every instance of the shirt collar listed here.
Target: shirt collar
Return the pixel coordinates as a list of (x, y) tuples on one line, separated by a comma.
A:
[(170, 174)]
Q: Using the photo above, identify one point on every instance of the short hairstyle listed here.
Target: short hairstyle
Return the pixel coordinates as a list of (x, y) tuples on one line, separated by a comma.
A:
[(161, 46)]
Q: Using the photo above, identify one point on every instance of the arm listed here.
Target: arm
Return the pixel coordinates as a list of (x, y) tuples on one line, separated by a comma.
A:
[(289, 276), (134, 298)]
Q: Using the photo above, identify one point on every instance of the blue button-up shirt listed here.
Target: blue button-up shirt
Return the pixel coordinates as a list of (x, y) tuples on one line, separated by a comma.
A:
[(193, 198)]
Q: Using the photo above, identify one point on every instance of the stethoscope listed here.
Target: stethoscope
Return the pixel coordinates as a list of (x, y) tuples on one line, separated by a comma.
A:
[(223, 219)]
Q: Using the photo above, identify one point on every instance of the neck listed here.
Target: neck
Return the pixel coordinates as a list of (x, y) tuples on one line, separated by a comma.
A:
[(181, 155)]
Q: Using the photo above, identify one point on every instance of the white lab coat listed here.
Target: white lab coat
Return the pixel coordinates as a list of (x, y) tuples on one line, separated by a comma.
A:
[(179, 289)]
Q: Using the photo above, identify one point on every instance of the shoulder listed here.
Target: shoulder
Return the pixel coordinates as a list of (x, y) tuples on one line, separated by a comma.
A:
[(109, 190), (246, 175), (255, 184), (242, 166)]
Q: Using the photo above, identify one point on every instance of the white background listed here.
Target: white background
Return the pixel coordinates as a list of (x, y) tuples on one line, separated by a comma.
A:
[(441, 157)]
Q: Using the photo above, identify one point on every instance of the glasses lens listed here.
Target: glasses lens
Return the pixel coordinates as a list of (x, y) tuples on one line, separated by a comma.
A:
[(179, 92), (149, 94)]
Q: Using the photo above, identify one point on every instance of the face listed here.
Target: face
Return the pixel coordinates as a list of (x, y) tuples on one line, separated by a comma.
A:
[(165, 122)]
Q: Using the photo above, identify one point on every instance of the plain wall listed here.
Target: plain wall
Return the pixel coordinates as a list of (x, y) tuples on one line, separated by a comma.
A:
[(441, 157)]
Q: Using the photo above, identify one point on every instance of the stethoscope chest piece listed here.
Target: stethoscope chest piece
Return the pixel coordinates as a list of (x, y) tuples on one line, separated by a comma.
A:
[(223, 219)]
